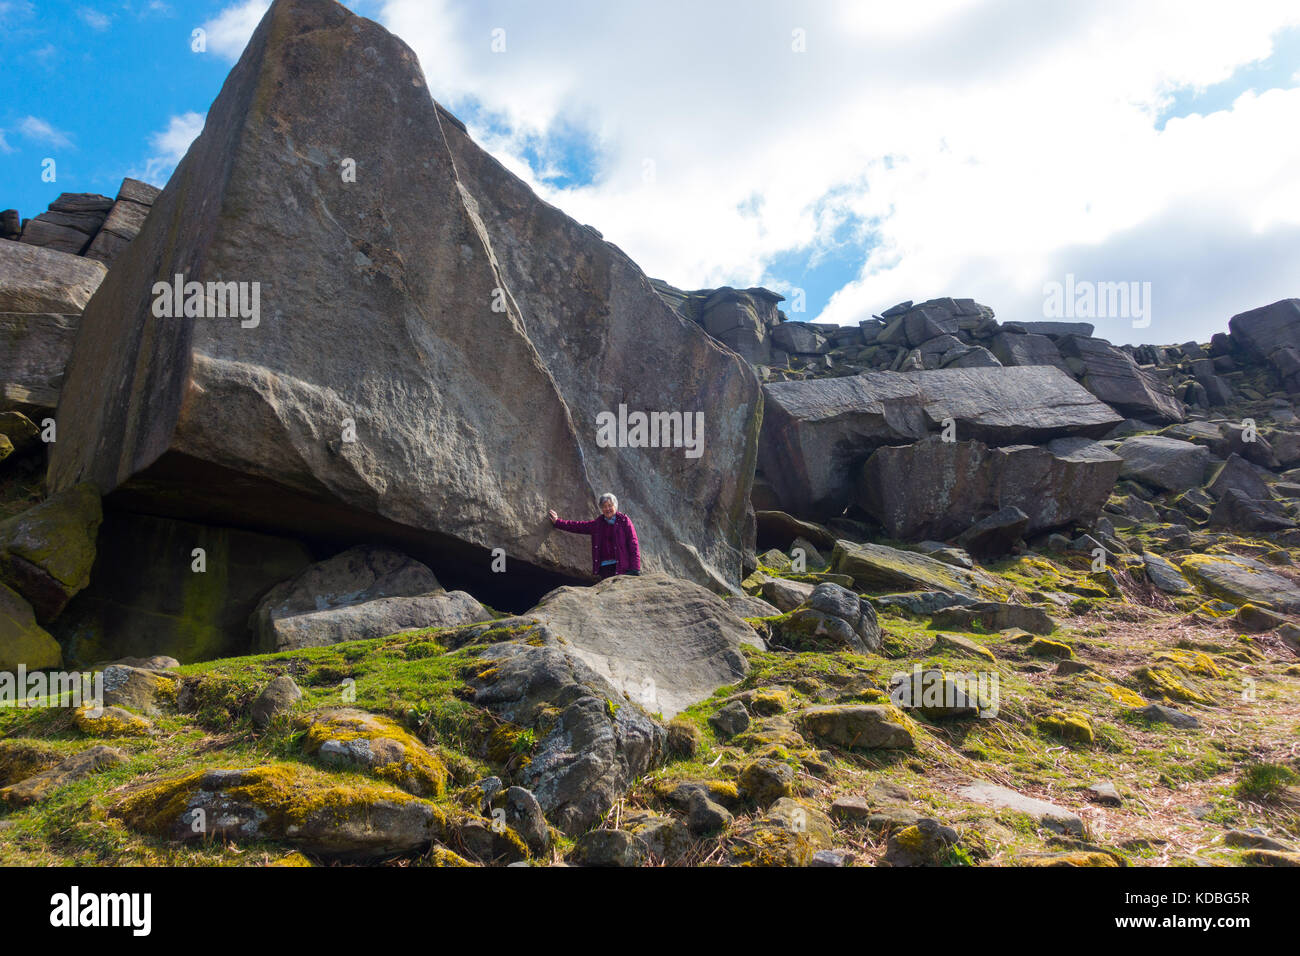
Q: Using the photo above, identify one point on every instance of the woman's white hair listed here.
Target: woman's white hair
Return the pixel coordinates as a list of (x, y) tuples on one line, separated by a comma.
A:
[(608, 497)]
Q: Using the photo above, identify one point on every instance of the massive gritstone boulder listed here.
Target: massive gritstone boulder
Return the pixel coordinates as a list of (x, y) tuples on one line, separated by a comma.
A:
[(816, 433), (417, 350)]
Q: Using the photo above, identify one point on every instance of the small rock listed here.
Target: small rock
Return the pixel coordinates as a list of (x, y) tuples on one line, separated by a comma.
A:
[(610, 848), (1160, 714), (730, 720), (276, 698), (766, 781), (705, 816), (1104, 792)]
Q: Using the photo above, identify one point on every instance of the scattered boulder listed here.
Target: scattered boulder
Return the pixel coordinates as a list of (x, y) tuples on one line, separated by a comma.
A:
[(37, 787), (1003, 798), (609, 848), (875, 566), (1162, 714), (832, 618), (137, 689), (858, 726), (276, 698), (599, 741), (376, 745), (994, 616), (1242, 580), (1161, 462), (938, 489), (925, 843), (1112, 375), (815, 432)]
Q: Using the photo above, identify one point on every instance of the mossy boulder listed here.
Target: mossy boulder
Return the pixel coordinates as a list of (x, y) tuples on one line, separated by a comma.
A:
[(858, 726), (1164, 682), (1071, 726), (320, 814), (766, 781), (22, 640), (925, 843), (110, 722), (789, 834), (377, 746), (19, 759), (46, 552), (1042, 647), (38, 786)]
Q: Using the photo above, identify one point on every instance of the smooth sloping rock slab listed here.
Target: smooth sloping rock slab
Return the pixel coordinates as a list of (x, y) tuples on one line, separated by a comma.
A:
[(667, 643), (37, 346), (816, 432), (33, 279), (878, 567), (469, 333), (1002, 798), (1165, 575), (937, 489), (1242, 581)]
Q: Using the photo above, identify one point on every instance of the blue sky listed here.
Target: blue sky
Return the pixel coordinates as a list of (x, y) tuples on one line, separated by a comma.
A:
[(861, 152)]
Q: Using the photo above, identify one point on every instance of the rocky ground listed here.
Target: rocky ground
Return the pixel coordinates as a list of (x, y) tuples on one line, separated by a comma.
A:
[(938, 589)]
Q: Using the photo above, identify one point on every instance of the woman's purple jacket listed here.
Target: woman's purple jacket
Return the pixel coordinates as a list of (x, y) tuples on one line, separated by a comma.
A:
[(626, 549)]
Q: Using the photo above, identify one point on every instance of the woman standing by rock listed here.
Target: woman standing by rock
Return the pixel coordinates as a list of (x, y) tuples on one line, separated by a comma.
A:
[(614, 548)]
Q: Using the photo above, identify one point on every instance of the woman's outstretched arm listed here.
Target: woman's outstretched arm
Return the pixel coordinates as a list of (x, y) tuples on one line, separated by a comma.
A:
[(577, 527)]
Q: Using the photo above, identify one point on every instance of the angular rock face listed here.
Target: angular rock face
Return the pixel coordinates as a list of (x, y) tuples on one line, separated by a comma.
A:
[(37, 346), (1115, 378), (666, 643), (146, 597), (411, 310), (937, 489), (43, 280), (816, 433)]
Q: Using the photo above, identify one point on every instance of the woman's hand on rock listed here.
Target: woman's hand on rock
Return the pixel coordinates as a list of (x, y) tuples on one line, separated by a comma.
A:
[(553, 516)]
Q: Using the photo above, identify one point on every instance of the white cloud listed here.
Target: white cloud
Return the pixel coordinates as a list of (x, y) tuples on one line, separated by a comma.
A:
[(229, 31), (95, 19), (169, 146), (4, 144), (978, 146), (33, 127)]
